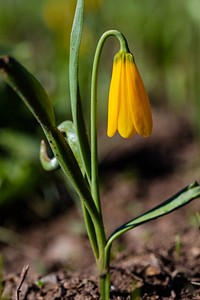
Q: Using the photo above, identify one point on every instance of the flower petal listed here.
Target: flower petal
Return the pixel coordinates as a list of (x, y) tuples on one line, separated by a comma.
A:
[(125, 122), (141, 111), (114, 97)]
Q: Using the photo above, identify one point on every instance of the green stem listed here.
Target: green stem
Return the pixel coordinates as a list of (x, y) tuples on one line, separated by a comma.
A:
[(104, 257), (105, 276), (94, 80), (90, 231), (105, 285)]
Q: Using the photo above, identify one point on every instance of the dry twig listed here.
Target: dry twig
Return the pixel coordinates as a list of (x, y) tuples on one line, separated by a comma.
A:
[(22, 278)]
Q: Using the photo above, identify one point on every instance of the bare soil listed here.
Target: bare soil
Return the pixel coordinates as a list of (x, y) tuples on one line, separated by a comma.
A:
[(159, 260)]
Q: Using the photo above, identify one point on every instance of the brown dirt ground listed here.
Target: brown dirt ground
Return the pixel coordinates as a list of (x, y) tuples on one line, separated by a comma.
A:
[(159, 260)]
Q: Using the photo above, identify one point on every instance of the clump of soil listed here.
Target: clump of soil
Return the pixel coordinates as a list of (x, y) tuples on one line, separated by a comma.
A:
[(158, 260)]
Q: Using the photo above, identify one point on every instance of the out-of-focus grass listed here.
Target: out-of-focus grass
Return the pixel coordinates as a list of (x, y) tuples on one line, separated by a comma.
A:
[(164, 37)]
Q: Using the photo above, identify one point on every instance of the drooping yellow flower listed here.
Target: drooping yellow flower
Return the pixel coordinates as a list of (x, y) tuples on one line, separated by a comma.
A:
[(129, 110)]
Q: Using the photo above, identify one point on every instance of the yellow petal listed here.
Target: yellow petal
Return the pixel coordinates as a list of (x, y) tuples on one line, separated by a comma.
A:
[(114, 97), (125, 123), (140, 109)]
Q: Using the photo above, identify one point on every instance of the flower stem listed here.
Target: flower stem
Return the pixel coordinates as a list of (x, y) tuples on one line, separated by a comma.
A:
[(105, 285), (104, 257), (105, 276), (94, 148)]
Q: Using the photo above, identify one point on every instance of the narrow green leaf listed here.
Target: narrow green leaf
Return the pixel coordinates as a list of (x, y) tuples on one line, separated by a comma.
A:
[(77, 112), (28, 88), (182, 198)]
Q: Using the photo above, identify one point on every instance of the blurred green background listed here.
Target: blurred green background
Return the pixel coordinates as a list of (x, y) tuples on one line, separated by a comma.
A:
[(164, 37)]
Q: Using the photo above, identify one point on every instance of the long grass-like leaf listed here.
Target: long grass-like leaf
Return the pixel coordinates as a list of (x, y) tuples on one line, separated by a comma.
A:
[(77, 112), (180, 199)]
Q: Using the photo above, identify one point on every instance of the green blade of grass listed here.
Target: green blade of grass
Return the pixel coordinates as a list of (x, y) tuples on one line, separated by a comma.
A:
[(180, 199), (77, 112)]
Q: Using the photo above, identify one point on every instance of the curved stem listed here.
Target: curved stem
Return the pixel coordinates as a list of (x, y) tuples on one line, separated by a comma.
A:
[(94, 150), (104, 256)]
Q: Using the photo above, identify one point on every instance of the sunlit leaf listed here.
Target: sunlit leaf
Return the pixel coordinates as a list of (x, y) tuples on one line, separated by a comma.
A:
[(180, 199)]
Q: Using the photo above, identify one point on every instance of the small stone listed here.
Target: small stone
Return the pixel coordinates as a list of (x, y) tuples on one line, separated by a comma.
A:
[(51, 278)]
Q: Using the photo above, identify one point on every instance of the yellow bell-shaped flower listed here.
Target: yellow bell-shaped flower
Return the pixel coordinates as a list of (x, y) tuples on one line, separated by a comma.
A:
[(129, 110)]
